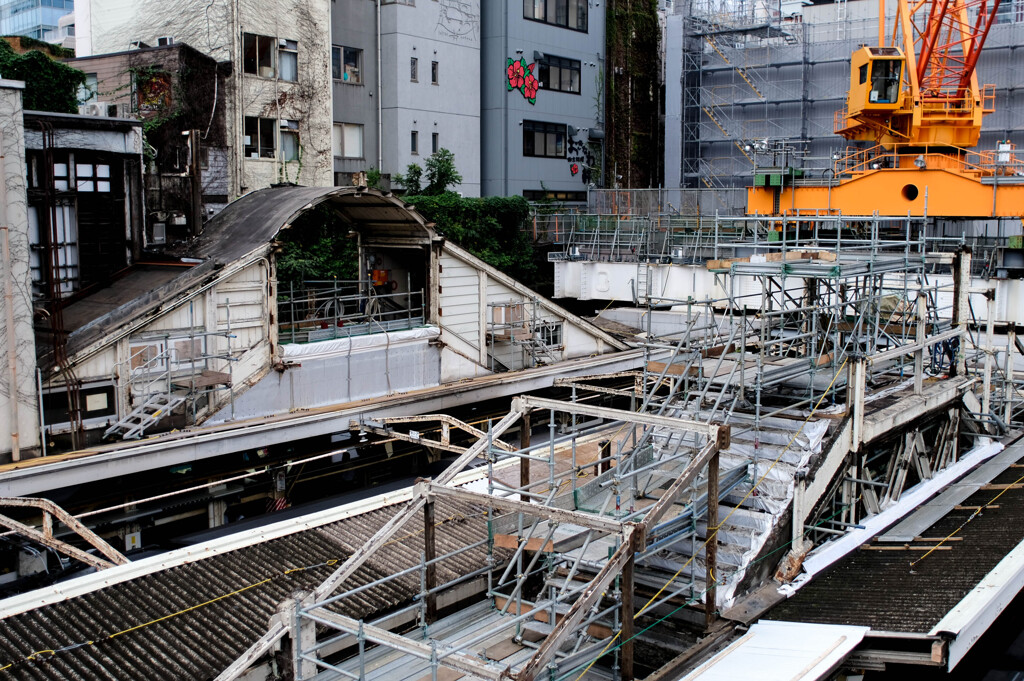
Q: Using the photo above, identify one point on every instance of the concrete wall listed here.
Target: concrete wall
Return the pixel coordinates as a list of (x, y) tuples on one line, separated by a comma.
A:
[(19, 404), (506, 34), (215, 27), (381, 364), (353, 24), (448, 32)]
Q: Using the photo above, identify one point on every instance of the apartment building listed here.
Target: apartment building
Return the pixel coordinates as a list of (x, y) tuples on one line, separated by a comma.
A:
[(542, 85), (279, 121)]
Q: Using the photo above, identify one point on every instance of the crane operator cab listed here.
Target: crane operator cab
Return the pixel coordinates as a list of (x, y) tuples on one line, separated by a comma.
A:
[(876, 77)]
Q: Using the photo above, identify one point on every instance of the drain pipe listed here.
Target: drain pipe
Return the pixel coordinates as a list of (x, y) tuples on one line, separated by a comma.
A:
[(380, 102)]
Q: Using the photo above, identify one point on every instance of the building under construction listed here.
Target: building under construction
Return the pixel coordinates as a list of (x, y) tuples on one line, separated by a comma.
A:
[(788, 445)]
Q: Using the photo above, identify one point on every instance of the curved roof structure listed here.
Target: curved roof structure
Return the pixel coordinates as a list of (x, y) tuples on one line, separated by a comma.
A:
[(256, 218)]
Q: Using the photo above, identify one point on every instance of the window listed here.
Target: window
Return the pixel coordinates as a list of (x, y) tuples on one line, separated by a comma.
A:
[(556, 73), (414, 69), (347, 64), (434, 143), (289, 140), (259, 137), (414, 142), (566, 13), (544, 139), (433, 72), (348, 140), (258, 55), (89, 90), (269, 57), (288, 55)]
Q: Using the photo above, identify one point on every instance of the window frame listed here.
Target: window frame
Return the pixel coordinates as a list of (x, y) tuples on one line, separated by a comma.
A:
[(265, 128), (557, 13), (414, 142), (546, 129), (338, 60), (435, 70), (435, 142), (560, 65), (414, 70), (340, 125), (291, 48), (257, 63)]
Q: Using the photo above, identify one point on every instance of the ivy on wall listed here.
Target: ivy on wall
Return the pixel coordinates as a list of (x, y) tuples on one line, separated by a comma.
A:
[(634, 95), (49, 85)]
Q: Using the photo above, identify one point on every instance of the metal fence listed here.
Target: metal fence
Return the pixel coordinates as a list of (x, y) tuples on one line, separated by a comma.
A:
[(322, 310)]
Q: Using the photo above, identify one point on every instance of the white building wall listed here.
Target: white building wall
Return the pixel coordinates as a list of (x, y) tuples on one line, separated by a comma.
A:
[(19, 404), (448, 32), (215, 27)]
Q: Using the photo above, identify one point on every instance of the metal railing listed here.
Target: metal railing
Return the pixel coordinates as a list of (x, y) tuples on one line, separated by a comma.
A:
[(318, 310)]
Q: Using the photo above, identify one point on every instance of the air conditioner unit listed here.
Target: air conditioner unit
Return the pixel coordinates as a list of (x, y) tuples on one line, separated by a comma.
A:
[(289, 125), (124, 110), (165, 40), (95, 109)]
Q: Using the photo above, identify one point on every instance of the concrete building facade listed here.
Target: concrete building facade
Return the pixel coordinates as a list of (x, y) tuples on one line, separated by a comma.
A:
[(279, 122), (542, 91)]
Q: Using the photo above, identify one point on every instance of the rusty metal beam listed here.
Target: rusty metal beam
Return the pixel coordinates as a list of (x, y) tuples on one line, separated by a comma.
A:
[(689, 473), (529, 402), (51, 510), (445, 419)]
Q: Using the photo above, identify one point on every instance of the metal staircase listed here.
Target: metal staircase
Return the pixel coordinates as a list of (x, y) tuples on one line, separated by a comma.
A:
[(160, 382)]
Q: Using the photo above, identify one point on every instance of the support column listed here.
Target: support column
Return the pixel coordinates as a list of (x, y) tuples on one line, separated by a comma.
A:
[(524, 463), (921, 327), (961, 308), (990, 322), (430, 552), (711, 548), (855, 386), (1008, 372), (628, 627)]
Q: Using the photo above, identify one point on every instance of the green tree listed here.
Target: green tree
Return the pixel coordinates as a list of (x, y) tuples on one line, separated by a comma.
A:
[(412, 180), (441, 172), (49, 85)]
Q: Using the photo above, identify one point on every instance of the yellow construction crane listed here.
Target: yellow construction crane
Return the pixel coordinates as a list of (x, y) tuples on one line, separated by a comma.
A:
[(915, 97)]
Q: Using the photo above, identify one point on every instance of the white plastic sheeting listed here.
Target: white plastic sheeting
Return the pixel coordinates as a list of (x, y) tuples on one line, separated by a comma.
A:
[(782, 651), (343, 346)]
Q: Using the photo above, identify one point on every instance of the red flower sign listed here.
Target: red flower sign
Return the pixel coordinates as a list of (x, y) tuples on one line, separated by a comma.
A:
[(574, 168), (519, 76)]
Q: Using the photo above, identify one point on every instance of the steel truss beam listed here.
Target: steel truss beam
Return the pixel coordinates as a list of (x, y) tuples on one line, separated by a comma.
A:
[(45, 537)]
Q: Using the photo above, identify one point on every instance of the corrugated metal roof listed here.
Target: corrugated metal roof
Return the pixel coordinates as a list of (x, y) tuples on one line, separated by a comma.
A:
[(880, 588), (782, 651), (214, 608)]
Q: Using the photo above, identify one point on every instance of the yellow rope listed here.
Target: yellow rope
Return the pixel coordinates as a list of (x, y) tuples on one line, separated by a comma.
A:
[(974, 515)]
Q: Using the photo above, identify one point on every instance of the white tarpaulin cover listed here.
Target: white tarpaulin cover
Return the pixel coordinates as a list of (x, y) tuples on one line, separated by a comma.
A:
[(343, 346), (782, 651)]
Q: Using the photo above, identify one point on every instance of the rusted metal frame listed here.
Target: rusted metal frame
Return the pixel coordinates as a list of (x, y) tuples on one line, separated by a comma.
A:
[(426, 442), (568, 625), (45, 537), (480, 447), (457, 661), (711, 546), (525, 401), (430, 567), (451, 421), (670, 495), (561, 515), (55, 544)]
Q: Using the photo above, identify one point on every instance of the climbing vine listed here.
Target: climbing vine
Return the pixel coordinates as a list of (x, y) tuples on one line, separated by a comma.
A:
[(49, 85)]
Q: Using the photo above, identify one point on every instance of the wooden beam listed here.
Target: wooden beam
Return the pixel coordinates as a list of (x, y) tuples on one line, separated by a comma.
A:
[(627, 616), (430, 553), (690, 472), (525, 435), (711, 547)]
